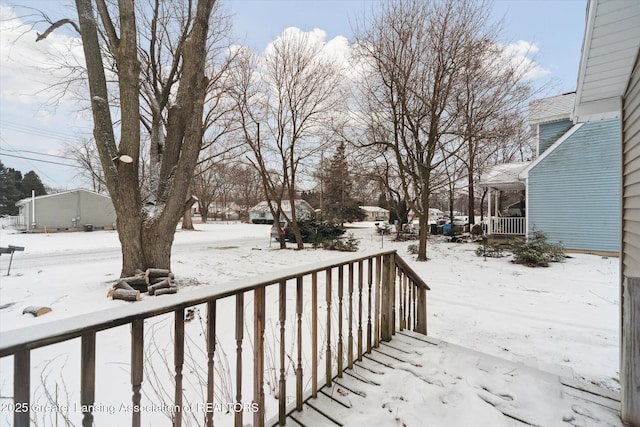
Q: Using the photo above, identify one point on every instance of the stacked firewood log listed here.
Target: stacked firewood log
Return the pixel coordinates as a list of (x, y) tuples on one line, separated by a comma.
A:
[(154, 281)]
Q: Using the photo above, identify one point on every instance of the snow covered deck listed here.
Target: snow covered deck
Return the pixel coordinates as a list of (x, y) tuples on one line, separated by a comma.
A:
[(417, 380)]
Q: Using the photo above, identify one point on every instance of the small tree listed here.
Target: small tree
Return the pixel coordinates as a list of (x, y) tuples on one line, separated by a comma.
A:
[(338, 205), (536, 251), (31, 182), (10, 191)]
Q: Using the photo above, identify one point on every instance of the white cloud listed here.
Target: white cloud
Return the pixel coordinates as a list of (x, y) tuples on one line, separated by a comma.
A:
[(522, 55)]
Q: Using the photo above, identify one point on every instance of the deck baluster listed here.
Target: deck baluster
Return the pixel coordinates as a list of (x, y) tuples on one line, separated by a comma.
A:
[(258, 355), (314, 334), (340, 316), (137, 367), (21, 387), (360, 283), (239, 338), (211, 351), (88, 377), (328, 372), (282, 384), (370, 284), (378, 302), (350, 339), (178, 361), (299, 389)]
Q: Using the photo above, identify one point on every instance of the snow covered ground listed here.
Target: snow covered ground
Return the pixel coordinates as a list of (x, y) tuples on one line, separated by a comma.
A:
[(562, 319)]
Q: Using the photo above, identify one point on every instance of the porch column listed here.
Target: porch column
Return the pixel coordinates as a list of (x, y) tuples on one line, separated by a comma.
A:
[(489, 227)]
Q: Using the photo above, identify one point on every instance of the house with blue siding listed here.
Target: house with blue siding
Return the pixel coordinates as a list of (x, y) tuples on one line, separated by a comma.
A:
[(573, 186)]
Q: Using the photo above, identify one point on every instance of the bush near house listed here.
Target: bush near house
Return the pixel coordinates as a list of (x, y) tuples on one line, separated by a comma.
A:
[(490, 251), (350, 244), (316, 231), (535, 251)]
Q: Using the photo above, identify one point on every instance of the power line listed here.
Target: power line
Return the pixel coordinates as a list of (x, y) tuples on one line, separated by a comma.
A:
[(37, 160), (44, 133), (35, 152)]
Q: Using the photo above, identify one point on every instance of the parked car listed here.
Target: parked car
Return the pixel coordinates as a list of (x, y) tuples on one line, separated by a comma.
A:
[(274, 230)]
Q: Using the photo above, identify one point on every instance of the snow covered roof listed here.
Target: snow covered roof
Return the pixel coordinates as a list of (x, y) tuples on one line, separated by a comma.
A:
[(373, 209), (28, 199), (504, 176), (552, 109), (263, 206)]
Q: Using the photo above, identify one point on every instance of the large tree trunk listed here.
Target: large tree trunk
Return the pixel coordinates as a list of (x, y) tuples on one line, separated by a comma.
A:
[(146, 235)]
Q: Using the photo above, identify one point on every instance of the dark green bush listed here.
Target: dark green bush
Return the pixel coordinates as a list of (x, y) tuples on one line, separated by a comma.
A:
[(316, 231), (490, 251), (350, 244), (536, 251)]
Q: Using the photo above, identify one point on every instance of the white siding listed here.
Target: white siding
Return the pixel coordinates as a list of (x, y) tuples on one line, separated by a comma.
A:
[(631, 177)]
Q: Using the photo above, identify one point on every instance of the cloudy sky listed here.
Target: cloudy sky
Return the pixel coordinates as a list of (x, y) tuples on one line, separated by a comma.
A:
[(34, 130)]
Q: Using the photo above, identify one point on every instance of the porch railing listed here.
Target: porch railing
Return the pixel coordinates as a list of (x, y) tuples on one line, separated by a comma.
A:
[(508, 225), (383, 294)]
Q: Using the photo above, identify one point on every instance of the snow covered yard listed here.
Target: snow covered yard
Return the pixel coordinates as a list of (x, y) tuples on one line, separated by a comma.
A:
[(562, 319)]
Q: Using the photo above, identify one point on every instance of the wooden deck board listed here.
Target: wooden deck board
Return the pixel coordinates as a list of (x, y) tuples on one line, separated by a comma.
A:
[(347, 398)]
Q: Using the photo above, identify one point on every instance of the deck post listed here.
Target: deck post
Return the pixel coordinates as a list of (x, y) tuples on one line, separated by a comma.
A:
[(421, 308), (388, 281), (630, 347)]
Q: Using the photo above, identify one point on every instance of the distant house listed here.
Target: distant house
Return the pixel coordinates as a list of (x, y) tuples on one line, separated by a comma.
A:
[(261, 214), (573, 186), (67, 211), (499, 178), (375, 213)]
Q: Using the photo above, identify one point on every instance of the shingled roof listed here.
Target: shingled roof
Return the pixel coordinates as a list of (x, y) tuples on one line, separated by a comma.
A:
[(552, 109)]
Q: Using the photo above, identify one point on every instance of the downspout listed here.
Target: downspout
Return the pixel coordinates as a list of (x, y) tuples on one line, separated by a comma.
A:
[(33, 208)]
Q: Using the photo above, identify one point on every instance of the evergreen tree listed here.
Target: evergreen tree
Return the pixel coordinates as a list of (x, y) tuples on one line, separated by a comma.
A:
[(10, 193), (338, 205), (31, 181)]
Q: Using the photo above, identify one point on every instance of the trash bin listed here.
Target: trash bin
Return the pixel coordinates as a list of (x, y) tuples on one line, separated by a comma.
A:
[(433, 228), (88, 227), (446, 229)]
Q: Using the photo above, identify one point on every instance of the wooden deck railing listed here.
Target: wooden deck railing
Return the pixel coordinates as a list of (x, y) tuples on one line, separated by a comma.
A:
[(382, 294)]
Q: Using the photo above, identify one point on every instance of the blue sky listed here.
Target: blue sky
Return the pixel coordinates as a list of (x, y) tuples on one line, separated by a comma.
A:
[(554, 27)]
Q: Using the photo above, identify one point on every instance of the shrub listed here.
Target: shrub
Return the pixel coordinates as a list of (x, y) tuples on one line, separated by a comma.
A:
[(536, 251), (316, 231), (491, 251), (383, 228), (413, 249), (350, 244)]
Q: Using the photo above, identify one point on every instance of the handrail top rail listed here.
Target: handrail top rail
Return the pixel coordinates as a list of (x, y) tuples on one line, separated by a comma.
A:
[(410, 272), (43, 334)]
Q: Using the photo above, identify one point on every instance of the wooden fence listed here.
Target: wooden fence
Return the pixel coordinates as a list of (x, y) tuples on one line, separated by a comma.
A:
[(382, 294)]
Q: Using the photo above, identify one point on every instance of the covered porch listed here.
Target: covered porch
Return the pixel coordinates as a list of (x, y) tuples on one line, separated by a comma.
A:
[(509, 220)]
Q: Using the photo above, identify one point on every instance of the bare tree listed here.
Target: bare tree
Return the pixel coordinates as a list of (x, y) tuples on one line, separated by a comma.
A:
[(494, 94), (414, 53), (146, 225), (88, 164), (295, 93)]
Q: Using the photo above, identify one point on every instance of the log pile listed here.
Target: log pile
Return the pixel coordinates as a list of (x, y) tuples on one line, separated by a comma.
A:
[(153, 281)]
